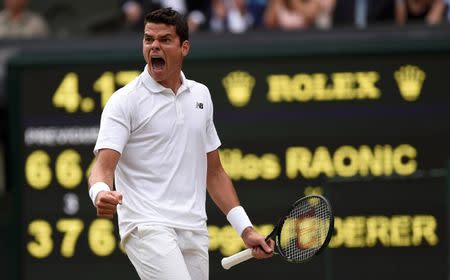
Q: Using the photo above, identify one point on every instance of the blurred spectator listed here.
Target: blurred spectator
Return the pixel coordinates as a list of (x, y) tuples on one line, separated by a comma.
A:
[(230, 15), (135, 10), (16, 21), (196, 12), (361, 13), (257, 9), (431, 12), (448, 9), (299, 14)]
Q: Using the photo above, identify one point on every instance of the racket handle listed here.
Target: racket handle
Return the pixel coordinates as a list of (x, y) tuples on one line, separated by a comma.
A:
[(237, 258)]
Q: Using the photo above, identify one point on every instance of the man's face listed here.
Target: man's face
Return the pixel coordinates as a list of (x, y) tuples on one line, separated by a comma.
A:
[(163, 52)]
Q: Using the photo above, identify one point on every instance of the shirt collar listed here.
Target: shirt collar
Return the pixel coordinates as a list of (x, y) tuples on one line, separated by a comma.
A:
[(156, 87)]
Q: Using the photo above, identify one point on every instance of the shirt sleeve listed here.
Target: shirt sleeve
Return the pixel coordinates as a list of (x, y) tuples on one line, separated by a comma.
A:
[(115, 125), (212, 139)]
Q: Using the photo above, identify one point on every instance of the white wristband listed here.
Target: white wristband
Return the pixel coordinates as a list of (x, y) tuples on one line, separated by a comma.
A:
[(238, 219), (96, 188)]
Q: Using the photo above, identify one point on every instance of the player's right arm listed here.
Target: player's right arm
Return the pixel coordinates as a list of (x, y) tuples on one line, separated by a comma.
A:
[(102, 173)]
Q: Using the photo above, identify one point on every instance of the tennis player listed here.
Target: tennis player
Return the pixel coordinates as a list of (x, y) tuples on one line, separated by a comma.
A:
[(156, 155)]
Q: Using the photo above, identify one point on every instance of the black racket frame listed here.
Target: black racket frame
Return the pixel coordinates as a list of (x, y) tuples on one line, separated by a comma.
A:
[(276, 232)]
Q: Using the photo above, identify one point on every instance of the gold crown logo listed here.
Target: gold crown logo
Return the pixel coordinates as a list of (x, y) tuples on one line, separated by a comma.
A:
[(238, 86), (409, 81)]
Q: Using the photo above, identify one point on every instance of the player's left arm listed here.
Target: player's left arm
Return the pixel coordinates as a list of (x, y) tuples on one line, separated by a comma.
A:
[(223, 193), (219, 185)]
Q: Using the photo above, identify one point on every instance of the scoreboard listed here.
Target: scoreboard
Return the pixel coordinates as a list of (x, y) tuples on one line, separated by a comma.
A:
[(369, 131)]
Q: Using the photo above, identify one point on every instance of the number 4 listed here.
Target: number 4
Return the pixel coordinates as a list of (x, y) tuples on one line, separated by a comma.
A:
[(66, 95)]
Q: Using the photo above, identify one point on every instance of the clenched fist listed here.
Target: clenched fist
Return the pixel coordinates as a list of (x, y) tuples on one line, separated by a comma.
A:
[(107, 202)]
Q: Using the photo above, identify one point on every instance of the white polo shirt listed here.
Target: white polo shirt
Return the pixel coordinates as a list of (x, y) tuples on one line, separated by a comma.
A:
[(163, 139)]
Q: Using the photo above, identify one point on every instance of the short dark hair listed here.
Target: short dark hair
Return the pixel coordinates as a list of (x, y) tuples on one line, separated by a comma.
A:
[(170, 17)]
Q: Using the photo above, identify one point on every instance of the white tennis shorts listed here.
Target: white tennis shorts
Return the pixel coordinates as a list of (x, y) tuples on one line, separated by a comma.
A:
[(159, 252)]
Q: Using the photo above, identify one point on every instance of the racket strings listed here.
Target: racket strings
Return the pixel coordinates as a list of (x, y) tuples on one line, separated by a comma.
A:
[(305, 229)]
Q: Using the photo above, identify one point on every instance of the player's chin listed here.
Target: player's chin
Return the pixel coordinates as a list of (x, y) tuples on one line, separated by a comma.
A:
[(157, 74)]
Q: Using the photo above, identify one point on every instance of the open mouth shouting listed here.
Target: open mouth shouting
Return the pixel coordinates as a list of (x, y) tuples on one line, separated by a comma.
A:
[(157, 63)]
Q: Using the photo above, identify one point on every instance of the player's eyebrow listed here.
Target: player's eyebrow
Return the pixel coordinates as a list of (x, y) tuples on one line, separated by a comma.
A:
[(163, 36)]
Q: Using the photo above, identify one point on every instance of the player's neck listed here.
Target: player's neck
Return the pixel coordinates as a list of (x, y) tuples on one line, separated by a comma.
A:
[(174, 84)]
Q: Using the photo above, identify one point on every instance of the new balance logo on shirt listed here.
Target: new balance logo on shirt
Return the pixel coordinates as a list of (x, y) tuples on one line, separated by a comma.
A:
[(199, 105)]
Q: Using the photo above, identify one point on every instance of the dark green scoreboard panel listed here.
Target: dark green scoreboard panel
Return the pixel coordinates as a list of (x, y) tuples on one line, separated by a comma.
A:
[(371, 132)]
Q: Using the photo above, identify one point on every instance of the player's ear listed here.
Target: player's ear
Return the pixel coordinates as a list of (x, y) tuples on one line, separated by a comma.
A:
[(185, 46)]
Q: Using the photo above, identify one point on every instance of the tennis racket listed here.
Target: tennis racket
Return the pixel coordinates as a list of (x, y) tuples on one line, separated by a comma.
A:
[(300, 235)]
